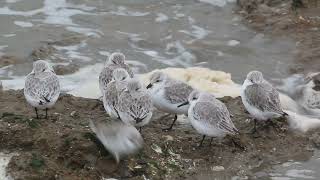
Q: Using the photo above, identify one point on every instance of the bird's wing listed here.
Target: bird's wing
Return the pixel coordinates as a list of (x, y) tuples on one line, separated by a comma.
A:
[(44, 87), (263, 97), (177, 92), (215, 115), (135, 107), (105, 76), (111, 94)]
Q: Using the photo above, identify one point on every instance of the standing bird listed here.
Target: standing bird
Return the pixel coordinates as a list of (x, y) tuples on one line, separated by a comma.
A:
[(135, 104), (209, 116), (113, 90), (116, 60), (168, 93), (42, 87), (260, 99)]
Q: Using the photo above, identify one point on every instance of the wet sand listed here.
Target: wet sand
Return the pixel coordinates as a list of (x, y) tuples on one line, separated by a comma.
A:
[(64, 147)]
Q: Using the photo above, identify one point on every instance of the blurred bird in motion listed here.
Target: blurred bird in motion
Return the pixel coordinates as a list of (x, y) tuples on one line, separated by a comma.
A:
[(118, 138)]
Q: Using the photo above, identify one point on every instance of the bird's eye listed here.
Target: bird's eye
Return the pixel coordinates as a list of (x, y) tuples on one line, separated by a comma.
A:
[(157, 80), (43, 70), (194, 98), (123, 78)]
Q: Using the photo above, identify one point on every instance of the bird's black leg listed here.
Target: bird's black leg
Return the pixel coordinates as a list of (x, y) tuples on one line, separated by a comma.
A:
[(254, 129), (211, 141), (46, 113), (203, 137), (36, 112), (174, 120), (140, 129)]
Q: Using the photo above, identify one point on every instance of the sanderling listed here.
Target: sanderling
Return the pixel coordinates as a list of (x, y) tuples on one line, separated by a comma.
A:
[(42, 87), (135, 105), (117, 137), (168, 93), (112, 92), (116, 60), (260, 99), (209, 116)]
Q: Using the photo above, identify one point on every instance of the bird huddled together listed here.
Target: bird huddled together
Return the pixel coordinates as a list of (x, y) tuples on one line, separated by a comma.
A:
[(128, 101)]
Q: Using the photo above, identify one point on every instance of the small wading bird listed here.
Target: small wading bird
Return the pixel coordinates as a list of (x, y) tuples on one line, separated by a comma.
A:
[(116, 60), (42, 87), (260, 99), (168, 93), (135, 104), (113, 90), (209, 116)]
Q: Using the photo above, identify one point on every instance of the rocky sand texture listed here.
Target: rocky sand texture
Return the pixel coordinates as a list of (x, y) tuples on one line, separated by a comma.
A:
[(64, 147), (298, 19)]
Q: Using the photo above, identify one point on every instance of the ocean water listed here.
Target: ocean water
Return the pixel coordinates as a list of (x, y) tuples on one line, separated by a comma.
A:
[(177, 36)]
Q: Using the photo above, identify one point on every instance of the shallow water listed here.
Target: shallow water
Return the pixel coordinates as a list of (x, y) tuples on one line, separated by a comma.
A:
[(153, 34)]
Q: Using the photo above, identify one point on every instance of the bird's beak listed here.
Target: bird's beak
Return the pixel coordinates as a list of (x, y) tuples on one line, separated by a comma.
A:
[(149, 86), (183, 104)]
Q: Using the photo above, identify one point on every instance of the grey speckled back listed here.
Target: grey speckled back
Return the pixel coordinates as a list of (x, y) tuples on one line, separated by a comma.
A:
[(264, 97), (177, 91)]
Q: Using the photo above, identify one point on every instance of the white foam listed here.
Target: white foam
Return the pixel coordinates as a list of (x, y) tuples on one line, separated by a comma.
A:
[(219, 3), (123, 11), (303, 173), (151, 53), (233, 43), (197, 31), (60, 12), (74, 51), (23, 23), (161, 17), (85, 82), (217, 82), (3, 47), (86, 31), (7, 11), (104, 53), (8, 35), (12, 1)]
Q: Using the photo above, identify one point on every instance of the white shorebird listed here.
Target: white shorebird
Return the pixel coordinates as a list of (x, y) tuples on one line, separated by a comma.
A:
[(42, 87), (113, 90), (260, 99), (117, 137), (168, 93), (116, 60), (135, 104), (209, 116)]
